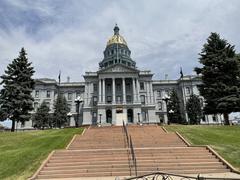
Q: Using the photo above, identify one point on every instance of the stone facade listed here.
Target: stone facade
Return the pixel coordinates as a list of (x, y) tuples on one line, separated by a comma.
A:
[(119, 91)]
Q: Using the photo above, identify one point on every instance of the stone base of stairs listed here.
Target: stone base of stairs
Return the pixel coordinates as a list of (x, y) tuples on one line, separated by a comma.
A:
[(101, 154)]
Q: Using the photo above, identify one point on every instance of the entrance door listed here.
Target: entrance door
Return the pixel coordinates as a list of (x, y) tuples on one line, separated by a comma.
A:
[(130, 115), (109, 116)]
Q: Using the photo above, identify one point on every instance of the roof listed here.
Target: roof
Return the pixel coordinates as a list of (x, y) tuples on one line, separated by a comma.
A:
[(116, 38)]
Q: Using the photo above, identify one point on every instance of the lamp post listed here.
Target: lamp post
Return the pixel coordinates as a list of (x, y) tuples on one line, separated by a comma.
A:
[(138, 117), (166, 99), (69, 115), (100, 120), (78, 101), (170, 112)]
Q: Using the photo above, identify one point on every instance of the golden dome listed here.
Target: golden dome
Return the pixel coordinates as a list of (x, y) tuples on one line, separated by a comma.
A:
[(116, 38)]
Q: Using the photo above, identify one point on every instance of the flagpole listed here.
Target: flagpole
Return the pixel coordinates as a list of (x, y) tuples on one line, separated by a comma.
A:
[(184, 95), (58, 92)]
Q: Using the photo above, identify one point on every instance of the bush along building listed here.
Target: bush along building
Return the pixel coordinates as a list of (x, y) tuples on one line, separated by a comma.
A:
[(119, 91)]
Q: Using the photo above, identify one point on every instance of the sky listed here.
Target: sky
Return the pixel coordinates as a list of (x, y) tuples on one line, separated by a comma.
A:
[(163, 35)]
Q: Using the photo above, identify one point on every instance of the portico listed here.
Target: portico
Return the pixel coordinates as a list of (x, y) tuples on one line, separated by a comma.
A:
[(118, 90)]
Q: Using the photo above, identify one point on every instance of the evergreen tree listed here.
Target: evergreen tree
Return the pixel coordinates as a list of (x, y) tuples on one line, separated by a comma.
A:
[(42, 118), (15, 97), (174, 105), (60, 112), (194, 109), (220, 72)]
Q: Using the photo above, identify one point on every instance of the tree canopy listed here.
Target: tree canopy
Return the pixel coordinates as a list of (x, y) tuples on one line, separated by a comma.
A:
[(42, 118), (194, 109), (61, 109), (15, 97), (174, 105), (220, 77)]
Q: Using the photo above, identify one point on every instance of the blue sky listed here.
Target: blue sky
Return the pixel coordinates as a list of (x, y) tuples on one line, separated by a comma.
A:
[(71, 35)]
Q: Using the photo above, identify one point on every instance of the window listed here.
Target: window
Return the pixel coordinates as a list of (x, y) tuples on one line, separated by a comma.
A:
[(128, 87), (159, 93), (129, 99), (159, 105), (69, 96), (214, 118), (37, 94), (35, 106), (94, 114), (118, 87), (77, 93), (187, 90), (48, 94), (95, 100), (95, 87), (108, 87), (142, 97), (109, 99), (203, 118), (141, 85), (119, 99)]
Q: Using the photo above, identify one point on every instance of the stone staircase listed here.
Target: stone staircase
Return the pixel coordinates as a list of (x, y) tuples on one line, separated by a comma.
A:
[(102, 152)]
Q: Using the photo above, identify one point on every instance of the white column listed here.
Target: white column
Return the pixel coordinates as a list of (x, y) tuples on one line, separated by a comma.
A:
[(124, 90), (147, 93), (100, 91), (134, 90), (103, 93), (113, 91), (138, 89), (151, 93)]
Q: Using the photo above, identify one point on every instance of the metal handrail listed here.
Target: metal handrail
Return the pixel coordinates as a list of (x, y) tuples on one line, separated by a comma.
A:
[(169, 176), (134, 160), (126, 133), (129, 146)]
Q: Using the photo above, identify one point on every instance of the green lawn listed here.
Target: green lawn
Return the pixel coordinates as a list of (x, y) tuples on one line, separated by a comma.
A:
[(224, 139), (21, 153)]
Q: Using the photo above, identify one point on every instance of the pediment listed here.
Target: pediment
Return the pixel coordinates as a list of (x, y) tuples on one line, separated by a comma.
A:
[(119, 68)]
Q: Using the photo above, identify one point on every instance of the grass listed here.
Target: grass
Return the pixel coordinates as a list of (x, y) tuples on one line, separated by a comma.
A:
[(21, 153), (224, 139)]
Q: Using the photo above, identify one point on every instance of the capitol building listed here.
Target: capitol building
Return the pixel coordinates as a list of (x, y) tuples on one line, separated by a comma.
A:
[(119, 91)]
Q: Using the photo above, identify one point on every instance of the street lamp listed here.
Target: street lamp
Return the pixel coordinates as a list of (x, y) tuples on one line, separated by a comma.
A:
[(69, 115), (100, 120), (170, 112), (138, 117), (78, 100), (166, 99)]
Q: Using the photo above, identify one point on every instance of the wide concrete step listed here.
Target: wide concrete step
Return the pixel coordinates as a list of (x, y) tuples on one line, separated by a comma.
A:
[(126, 168), (142, 161), (127, 173), (126, 165)]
